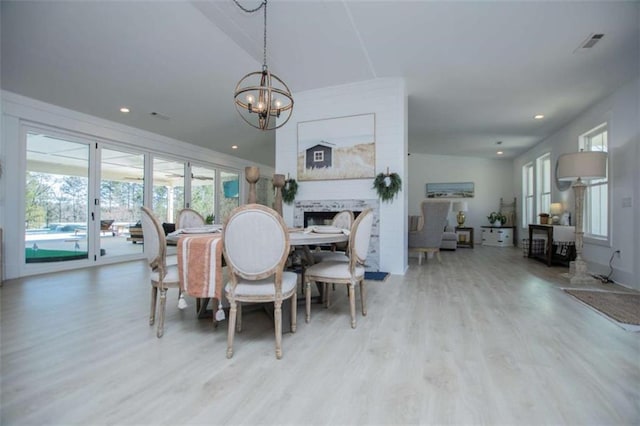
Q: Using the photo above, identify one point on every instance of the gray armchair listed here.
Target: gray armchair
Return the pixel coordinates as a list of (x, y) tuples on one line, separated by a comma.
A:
[(428, 236)]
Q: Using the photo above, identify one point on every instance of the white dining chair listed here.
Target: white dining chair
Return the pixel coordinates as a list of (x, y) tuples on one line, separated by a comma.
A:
[(255, 247), (342, 220), (189, 218), (349, 273), (162, 276)]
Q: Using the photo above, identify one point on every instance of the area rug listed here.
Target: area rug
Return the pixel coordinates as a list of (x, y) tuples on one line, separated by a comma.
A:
[(622, 307), (376, 276)]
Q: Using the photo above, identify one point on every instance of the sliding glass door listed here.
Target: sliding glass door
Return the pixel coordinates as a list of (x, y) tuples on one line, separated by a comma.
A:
[(168, 188), (230, 194), (56, 204), (203, 191), (121, 196)]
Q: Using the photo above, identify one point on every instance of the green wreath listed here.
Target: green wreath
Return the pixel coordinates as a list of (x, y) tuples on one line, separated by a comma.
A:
[(289, 190), (387, 185)]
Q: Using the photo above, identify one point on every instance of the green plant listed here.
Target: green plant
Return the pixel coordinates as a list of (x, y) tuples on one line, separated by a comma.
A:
[(289, 190), (496, 217), (387, 185), (209, 219)]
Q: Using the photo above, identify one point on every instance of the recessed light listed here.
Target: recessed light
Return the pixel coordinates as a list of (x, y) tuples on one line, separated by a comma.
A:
[(499, 152), (538, 116), (234, 146), (125, 110)]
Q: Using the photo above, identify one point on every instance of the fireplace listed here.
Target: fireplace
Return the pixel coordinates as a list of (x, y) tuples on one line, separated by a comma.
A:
[(316, 212), (321, 217)]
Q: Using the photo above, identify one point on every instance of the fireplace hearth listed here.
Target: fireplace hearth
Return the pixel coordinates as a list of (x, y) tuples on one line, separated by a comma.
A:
[(321, 218), (321, 212)]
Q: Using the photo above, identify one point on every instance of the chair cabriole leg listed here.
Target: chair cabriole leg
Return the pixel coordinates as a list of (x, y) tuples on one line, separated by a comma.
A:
[(154, 298), (294, 312), (277, 316), (232, 327), (352, 304), (363, 297), (163, 304), (307, 296)]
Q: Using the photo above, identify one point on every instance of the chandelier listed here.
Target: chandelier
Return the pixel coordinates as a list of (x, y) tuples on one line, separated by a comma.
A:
[(261, 97)]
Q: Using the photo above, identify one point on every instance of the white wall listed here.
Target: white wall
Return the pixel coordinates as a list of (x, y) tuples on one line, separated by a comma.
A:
[(16, 109), (386, 98), (492, 180), (622, 112)]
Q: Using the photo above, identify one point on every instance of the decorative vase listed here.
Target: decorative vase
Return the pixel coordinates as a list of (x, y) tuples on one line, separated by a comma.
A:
[(252, 174), (278, 184)]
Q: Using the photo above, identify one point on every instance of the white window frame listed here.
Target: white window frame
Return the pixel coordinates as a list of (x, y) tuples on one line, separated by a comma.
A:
[(543, 183), (318, 156), (595, 186), (528, 195)]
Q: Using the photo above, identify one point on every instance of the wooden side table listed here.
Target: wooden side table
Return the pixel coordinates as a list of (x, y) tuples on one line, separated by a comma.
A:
[(465, 236)]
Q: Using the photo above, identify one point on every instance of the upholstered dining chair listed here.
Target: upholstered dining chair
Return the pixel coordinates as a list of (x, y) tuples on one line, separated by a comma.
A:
[(189, 218), (349, 273), (163, 276), (255, 247), (427, 238), (342, 220)]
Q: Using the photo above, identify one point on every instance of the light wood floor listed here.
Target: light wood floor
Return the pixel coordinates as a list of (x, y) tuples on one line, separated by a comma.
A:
[(486, 337)]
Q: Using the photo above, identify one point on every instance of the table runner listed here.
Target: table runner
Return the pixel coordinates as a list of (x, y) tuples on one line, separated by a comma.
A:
[(200, 265)]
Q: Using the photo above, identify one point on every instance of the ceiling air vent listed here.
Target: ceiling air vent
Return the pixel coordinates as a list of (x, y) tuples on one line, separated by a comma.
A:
[(158, 115), (589, 42)]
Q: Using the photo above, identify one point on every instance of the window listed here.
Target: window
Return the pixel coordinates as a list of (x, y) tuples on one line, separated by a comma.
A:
[(543, 187), (318, 156), (596, 199), (527, 195)]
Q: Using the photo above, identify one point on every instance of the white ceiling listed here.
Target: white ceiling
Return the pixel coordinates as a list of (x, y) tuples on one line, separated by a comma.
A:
[(476, 72)]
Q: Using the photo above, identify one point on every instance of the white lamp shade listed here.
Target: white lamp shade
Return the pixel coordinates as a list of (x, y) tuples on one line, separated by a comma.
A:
[(460, 206), (583, 164), (555, 208)]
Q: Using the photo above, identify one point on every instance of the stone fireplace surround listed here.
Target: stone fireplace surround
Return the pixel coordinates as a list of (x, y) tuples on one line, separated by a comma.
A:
[(334, 206)]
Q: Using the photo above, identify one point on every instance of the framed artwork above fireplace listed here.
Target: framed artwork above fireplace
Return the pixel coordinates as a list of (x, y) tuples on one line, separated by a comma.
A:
[(337, 148)]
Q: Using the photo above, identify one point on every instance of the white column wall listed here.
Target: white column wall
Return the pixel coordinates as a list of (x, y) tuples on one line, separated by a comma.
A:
[(386, 98)]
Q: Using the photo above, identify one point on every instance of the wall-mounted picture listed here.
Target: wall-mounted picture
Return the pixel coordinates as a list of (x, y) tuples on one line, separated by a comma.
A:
[(337, 148), (450, 190)]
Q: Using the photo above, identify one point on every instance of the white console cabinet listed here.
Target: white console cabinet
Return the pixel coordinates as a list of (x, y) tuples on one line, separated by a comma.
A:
[(497, 236)]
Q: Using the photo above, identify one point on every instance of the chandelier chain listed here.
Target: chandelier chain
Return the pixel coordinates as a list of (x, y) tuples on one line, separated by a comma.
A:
[(264, 48)]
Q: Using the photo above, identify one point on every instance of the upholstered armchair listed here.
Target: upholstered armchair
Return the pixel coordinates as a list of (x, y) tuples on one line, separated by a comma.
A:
[(427, 238)]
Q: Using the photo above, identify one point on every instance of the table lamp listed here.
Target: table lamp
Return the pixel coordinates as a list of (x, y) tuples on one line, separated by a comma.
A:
[(555, 209), (460, 207), (575, 167)]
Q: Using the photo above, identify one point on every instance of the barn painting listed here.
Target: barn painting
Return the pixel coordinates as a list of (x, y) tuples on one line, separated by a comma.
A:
[(319, 156), (337, 148)]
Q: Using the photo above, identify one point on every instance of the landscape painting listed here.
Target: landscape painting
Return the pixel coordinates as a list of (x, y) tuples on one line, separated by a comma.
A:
[(337, 148), (450, 190)]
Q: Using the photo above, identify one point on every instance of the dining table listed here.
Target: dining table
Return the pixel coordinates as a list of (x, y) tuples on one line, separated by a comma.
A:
[(201, 263)]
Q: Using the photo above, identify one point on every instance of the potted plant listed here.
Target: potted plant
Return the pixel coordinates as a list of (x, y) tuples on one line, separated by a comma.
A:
[(544, 218), (497, 217)]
